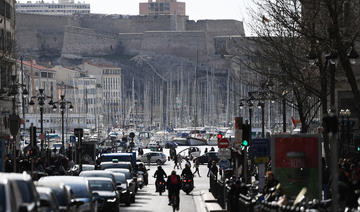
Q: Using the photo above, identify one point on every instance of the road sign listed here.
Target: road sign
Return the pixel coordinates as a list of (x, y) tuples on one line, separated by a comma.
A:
[(72, 139), (224, 153), (224, 143), (42, 136), (132, 135), (260, 147), (224, 164), (14, 123)]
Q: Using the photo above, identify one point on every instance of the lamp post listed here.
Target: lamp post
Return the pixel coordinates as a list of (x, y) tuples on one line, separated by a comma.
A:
[(41, 97), (14, 119), (261, 106), (62, 105)]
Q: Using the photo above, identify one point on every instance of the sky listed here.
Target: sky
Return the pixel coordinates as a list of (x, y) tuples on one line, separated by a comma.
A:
[(195, 9)]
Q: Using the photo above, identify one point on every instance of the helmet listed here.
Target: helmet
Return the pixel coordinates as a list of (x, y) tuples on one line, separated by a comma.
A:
[(140, 164), (173, 172), (159, 167)]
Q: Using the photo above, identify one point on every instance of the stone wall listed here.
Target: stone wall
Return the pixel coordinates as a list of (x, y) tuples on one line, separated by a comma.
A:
[(87, 42)]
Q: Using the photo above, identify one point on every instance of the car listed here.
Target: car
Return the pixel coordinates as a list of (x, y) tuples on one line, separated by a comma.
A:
[(48, 201), (99, 173), (115, 164), (129, 179), (64, 195), (123, 188), (120, 157), (156, 157), (23, 183), (9, 197), (205, 158), (107, 194), (83, 195)]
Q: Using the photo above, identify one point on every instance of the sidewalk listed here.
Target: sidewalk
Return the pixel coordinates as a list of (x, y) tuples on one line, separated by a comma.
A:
[(207, 202)]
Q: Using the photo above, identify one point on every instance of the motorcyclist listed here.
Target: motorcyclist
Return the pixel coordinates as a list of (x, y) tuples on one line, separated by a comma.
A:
[(142, 168), (174, 186), (186, 172), (159, 175)]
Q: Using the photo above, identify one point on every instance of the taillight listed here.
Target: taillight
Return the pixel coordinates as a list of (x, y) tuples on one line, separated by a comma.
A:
[(189, 181), (184, 181), (160, 183)]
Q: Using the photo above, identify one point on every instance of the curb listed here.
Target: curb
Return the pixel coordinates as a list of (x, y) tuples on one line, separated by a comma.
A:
[(210, 202)]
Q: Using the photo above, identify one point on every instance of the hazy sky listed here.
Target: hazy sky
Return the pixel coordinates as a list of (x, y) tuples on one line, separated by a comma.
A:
[(195, 9)]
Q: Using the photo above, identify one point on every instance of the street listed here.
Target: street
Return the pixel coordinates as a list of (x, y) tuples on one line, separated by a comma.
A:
[(148, 200)]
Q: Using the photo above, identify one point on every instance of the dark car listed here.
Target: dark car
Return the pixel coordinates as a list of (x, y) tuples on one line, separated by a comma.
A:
[(127, 182), (63, 194), (107, 194), (48, 201), (84, 198), (205, 158)]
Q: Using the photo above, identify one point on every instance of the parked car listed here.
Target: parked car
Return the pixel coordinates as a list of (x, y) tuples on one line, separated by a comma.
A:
[(9, 197), (117, 165), (156, 157), (108, 196), (64, 195), (23, 184), (131, 183), (48, 201), (213, 156), (84, 198)]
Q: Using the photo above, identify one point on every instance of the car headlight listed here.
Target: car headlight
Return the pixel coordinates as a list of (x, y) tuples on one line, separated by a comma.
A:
[(111, 200), (139, 179)]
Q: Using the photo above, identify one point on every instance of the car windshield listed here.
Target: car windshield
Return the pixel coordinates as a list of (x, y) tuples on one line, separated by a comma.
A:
[(26, 191), (114, 165), (109, 158), (80, 190), (120, 178), (2, 198), (97, 185)]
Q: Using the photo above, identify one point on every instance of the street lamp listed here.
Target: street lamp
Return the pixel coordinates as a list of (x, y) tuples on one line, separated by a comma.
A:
[(41, 101), (261, 106), (62, 105), (14, 119)]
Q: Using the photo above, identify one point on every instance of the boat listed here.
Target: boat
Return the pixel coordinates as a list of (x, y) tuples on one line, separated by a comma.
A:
[(196, 138)]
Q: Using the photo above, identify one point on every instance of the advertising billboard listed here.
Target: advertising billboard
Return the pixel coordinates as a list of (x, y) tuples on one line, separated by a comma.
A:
[(296, 163)]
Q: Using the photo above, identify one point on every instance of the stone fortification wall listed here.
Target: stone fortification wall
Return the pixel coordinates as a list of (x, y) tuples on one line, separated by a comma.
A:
[(36, 33), (132, 42), (87, 42), (182, 44), (132, 24)]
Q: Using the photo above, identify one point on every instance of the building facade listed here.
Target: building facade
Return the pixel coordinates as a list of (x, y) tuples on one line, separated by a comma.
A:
[(162, 7), (7, 64), (63, 7)]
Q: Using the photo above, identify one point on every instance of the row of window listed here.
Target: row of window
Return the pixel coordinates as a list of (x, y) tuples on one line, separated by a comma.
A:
[(56, 11), (6, 42), (6, 8), (111, 71), (81, 6)]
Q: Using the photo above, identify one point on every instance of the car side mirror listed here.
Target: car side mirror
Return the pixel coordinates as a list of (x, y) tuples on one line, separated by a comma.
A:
[(23, 208), (96, 196), (76, 203)]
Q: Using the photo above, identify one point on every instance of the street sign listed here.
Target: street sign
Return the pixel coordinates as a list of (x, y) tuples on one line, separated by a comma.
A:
[(224, 143), (224, 164), (14, 123), (132, 135), (72, 139), (224, 153), (42, 137), (260, 147)]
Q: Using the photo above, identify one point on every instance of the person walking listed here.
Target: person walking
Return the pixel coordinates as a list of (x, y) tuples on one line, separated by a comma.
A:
[(196, 166), (214, 169), (176, 162), (180, 161), (148, 157)]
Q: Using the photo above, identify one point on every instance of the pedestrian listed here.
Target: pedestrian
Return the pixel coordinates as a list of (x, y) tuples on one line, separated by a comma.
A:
[(8, 164), (148, 157), (176, 162), (214, 169), (180, 161), (270, 182), (209, 167), (187, 161), (196, 166), (212, 149), (206, 150)]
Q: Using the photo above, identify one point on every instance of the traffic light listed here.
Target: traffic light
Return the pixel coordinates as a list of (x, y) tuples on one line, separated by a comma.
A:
[(219, 136), (358, 148), (33, 134), (33, 152), (246, 135)]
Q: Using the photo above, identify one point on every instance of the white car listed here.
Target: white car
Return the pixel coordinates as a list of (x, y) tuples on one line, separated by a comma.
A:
[(156, 157)]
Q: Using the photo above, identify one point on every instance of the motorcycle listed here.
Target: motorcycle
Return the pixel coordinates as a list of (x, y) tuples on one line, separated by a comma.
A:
[(160, 186), (187, 184)]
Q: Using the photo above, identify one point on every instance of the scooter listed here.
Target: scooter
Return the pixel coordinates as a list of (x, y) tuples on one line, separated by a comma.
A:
[(187, 184), (160, 186), (140, 179)]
